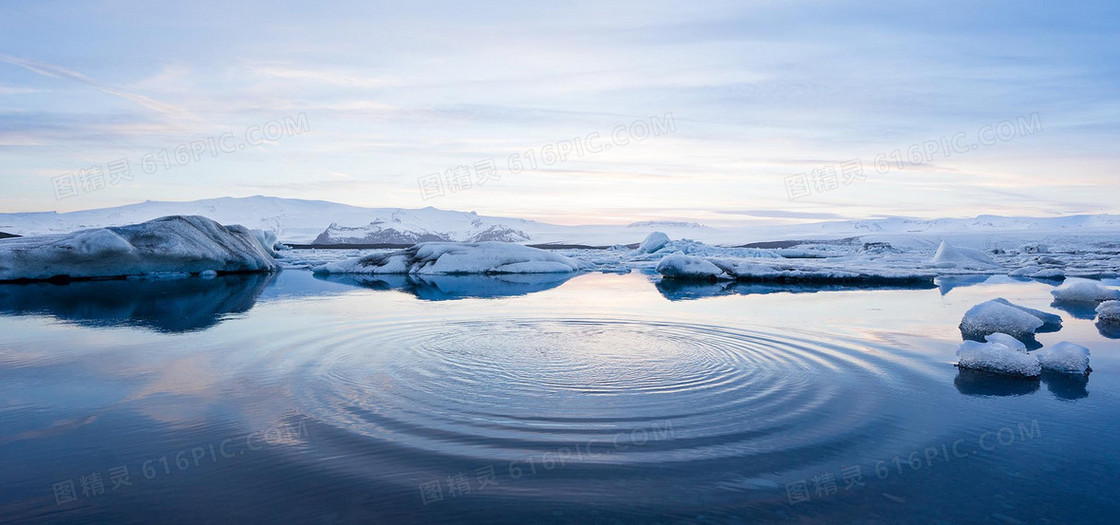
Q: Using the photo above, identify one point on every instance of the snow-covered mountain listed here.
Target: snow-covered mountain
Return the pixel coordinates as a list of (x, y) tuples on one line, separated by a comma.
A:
[(402, 227), (293, 220), (306, 221)]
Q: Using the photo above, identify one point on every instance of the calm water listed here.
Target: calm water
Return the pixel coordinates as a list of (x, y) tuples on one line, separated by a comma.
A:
[(599, 399)]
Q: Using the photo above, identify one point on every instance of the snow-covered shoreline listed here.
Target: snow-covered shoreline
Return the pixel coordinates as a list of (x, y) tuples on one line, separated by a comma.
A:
[(894, 258)]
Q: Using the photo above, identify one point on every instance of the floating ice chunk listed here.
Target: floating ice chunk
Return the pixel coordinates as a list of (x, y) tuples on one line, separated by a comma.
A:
[(745, 268), (1050, 322), (949, 256), (678, 266), (1049, 273), (779, 270), (1109, 312), (1026, 271), (1006, 340), (164, 246), (1065, 357), (1084, 291), (996, 316), (653, 242), (999, 358), (448, 258)]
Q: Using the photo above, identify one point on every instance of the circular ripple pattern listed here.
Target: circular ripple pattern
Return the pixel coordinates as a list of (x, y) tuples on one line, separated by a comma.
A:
[(648, 392)]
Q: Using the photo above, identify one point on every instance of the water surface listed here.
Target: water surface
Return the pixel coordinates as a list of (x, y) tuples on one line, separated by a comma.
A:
[(598, 399)]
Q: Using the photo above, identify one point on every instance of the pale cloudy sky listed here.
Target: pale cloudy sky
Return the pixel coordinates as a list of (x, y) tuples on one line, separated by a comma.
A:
[(762, 97)]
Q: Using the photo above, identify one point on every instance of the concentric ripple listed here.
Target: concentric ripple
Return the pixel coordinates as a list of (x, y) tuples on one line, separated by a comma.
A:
[(498, 390)]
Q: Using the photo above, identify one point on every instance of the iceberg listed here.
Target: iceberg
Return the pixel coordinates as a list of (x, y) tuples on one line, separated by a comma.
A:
[(173, 245), (267, 239), (1084, 291), (998, 356), (1065, 357), (1108, 312), (949, 256), (448, 258), (653, 242), (999, 315), (689, 267)]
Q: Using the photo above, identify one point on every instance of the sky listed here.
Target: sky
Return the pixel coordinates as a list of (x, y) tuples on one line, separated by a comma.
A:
[(567, 112)]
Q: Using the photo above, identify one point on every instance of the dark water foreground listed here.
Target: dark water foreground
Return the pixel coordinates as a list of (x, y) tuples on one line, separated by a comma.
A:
[(600, 399)]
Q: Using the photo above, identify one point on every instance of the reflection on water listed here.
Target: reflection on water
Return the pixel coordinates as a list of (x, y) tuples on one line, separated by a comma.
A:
[(1078, 309), (947, 283), (979, 383), (1109, 330), (678, 290), (177, 305), (1066, 386), (578, 399), (450, 287)]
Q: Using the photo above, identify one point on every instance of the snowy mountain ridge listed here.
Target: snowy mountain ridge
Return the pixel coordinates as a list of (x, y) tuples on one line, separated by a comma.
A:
[(399, 231), (306, 221)]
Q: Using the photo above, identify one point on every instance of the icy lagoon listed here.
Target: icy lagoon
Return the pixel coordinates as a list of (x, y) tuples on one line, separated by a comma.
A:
[(594, 398)]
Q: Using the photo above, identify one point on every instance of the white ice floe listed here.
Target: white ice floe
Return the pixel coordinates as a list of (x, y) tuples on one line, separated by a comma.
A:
[(999, 315), (1050, 322), (436, 258), (697, 261), (949, 256), (999, 355), (1084, 291), (175, 245), (1049, 273), (1037, 272), (699, 249), (1006, 340), (689, 267), (1065, 357), (653, 242), (1109, 312)]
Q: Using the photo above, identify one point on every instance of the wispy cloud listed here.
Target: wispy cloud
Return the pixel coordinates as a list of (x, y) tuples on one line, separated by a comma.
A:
[(784, 214), (759, 92), (54, 71)]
